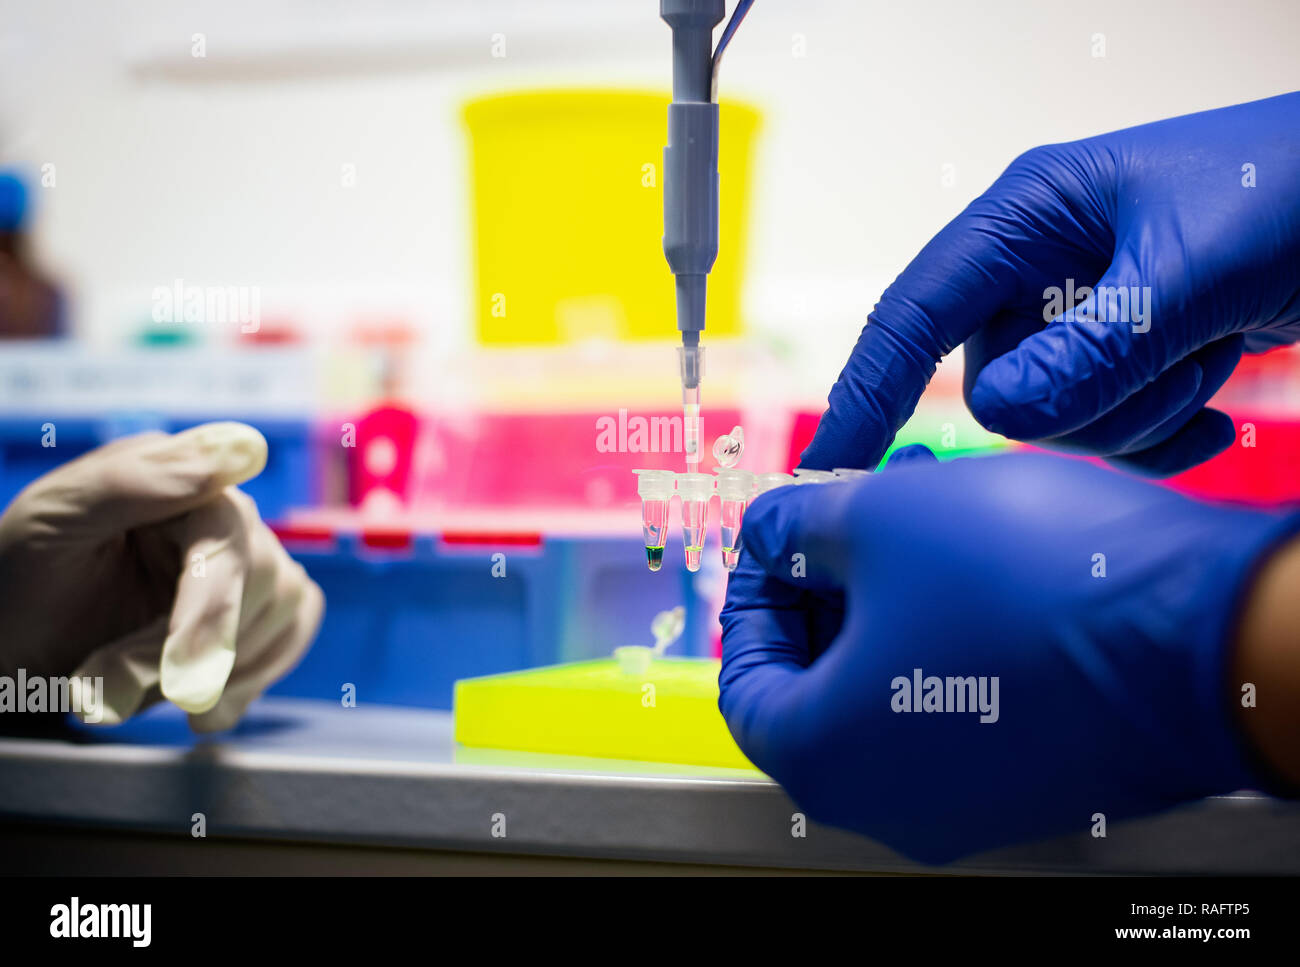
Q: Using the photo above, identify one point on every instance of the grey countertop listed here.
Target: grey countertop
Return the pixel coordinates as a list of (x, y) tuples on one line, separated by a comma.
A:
[(311, 771)]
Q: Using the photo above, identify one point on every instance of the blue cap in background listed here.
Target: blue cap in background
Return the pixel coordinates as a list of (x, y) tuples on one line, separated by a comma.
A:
[(13, 202)]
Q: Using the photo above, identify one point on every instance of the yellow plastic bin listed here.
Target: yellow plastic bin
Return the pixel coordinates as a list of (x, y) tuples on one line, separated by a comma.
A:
[(568, 216), (666, 712)]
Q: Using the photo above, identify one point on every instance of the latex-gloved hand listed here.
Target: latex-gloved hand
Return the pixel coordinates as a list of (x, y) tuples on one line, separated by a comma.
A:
[(1100, 606), (1195, 219), (140, 562)]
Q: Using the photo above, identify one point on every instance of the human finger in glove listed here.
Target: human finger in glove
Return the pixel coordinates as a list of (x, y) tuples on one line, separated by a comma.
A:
[(952, 657), (141, 563), (1186, 232)]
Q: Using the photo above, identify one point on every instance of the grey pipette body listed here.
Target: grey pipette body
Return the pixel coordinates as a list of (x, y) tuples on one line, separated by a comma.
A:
[(691, 172)]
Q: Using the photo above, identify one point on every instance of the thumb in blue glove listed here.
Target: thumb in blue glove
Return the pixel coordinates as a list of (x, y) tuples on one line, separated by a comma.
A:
[(1186, 234), (1025, 641)]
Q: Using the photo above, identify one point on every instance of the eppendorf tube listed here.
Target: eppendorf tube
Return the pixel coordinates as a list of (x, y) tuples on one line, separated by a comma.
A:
[(770, 481), (728, 447), (694, 489), (735, 488), (803, 475), (655, 488)]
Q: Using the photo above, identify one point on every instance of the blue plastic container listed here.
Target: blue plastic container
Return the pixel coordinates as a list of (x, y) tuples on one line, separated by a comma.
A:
[(402, 625), (289, 480)]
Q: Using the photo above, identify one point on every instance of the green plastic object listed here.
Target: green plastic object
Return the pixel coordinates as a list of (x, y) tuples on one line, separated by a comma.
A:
[(165, 336), (949, 430), (663, 710)]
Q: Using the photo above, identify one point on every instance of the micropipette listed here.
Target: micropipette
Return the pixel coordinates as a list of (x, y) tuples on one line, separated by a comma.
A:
[(691, 183)]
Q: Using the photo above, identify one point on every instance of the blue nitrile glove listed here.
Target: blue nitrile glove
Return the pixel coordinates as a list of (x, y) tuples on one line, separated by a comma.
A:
[(1101, 606), (1197, 215)]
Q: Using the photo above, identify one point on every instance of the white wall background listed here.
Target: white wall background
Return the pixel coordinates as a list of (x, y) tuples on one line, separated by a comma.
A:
[(225, 171)]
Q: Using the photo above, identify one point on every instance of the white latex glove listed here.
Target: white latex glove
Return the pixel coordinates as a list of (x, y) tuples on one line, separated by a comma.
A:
[(140, 562)]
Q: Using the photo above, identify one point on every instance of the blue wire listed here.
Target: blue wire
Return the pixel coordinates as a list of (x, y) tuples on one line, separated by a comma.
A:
[(737, 15)]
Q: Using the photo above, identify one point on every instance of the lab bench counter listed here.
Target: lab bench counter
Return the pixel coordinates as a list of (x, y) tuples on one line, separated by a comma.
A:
[(313, 772)]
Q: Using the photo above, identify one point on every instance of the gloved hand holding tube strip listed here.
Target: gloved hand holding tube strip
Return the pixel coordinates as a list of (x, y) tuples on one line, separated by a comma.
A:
[(141, 563), (1187, 233), (953, 657)]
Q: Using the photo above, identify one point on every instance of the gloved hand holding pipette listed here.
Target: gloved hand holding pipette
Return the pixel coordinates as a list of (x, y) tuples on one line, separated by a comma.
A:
[(951, 657), (1188, 233), (141, 564)]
